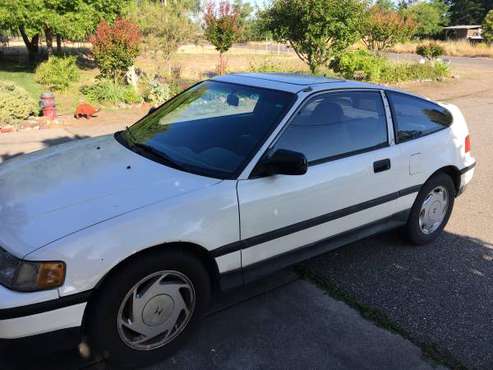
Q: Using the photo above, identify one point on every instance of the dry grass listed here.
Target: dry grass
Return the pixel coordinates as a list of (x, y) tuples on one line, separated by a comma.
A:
[(198, 62), (452, 48)]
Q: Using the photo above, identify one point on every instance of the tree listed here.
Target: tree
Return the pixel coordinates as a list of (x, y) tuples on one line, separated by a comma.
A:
[(430, 17), (66, 19), (164, 26), (317, 30), (70, 19), (221, 28), (386, 4), (249, 23), (488, 27), (467, 11), (245, 19), (383, 28), (23, 17)]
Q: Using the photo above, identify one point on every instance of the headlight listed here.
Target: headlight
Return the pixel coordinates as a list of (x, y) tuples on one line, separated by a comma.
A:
[(29, 276)]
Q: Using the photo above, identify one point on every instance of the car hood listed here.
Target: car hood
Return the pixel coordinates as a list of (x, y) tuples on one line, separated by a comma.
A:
[(54, 192)]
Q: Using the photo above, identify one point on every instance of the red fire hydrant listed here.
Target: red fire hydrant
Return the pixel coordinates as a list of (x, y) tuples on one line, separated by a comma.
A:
[(47, 104)]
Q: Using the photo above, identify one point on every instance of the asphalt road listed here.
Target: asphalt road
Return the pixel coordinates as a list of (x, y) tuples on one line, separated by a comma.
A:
[(278, 323)]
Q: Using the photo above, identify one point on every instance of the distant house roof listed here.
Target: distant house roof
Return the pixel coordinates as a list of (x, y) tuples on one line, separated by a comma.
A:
[(462, 27)]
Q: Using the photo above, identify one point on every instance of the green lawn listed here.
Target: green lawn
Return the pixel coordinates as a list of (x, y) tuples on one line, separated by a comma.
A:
[(22, 76)]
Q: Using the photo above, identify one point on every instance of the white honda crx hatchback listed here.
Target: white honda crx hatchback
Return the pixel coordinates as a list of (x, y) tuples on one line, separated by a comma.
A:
[(128, 236)]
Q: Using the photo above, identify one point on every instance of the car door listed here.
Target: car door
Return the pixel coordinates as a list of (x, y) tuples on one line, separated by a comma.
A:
[(350, 180)]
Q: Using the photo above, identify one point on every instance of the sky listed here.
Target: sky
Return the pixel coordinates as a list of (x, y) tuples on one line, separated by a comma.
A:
[(257, 2)]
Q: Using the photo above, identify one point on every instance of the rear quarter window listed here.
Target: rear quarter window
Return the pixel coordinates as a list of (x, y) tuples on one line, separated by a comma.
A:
[(415, 117)]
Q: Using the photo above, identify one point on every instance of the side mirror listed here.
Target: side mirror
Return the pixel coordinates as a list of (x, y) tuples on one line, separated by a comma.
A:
[(152, 110), (284, 162)]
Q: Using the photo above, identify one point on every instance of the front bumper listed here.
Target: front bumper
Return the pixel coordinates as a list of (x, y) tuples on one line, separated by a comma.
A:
[(19, 319), (54, 350)]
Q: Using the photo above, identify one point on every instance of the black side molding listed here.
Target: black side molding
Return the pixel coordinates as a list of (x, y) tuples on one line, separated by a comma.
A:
[(36, 308), (257, 270), (410, 190), (468, 168), (302, 225)]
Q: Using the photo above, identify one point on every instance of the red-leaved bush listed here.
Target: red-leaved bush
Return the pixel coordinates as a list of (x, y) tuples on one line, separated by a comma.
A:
[(115, 47)]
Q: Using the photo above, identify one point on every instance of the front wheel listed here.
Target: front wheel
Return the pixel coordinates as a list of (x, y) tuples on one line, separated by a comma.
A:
[(145, 310), (431, 209)]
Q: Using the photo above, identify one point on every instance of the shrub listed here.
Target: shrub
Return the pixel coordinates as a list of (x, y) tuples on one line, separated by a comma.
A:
[(115, 47), (363, 65), (430, 51), (157, 93), (399, 72), (266, 66), (110, 92), (15, 103), (359, 64), (57, 73)]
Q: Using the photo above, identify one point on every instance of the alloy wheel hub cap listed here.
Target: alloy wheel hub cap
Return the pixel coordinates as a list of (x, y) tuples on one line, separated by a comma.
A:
[(433, 210), (157, 310)]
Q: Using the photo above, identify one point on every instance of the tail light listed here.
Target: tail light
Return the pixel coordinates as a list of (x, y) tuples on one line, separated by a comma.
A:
[(467, 144)]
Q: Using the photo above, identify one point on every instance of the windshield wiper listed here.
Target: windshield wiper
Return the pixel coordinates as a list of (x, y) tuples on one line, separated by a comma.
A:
[(157, 154)]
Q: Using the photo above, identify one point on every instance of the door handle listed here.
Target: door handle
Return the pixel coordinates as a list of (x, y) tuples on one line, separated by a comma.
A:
[(382, 165)]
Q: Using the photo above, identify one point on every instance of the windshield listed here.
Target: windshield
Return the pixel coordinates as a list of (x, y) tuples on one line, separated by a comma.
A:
[(213, 129)]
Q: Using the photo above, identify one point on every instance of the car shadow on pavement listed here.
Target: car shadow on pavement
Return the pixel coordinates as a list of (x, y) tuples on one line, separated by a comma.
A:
[(438, 295), (63, 139)]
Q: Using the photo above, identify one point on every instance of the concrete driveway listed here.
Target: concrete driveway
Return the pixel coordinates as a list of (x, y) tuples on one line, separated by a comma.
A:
[(437, 296)]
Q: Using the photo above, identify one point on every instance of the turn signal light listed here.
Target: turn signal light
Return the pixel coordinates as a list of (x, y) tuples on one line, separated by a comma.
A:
[(467, 144), (51, 275)]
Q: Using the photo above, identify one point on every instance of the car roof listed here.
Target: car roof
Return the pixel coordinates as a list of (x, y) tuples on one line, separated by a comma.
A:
[(292, 82)]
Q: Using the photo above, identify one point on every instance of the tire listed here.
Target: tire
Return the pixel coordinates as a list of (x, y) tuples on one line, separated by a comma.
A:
[(432, 214), (152, 285)]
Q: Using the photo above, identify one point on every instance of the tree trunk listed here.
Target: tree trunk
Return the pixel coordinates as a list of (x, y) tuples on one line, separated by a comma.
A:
[(221, 67), (49, 41), (31, 45), (59, 44), (313, 67)]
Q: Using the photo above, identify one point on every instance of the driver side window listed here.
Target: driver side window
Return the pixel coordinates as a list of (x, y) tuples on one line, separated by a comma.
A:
[(335, 125)]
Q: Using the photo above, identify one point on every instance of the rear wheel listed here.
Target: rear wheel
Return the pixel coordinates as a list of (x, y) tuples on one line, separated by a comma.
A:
[(145, 311), (431, 210)]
